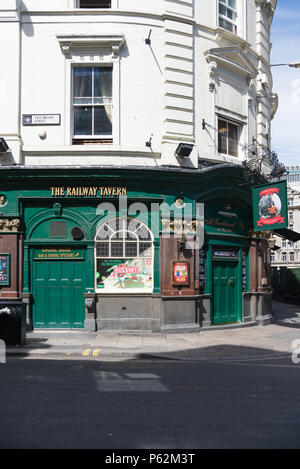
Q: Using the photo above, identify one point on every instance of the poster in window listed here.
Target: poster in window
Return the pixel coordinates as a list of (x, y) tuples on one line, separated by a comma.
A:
[(125, 274), (4, 269), (180, 273)]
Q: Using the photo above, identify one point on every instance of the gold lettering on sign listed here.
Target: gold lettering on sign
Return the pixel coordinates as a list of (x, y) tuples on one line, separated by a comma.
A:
[(88, 191)]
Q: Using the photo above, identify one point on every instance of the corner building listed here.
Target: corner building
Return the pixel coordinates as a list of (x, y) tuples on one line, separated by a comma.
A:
[(107, 105)]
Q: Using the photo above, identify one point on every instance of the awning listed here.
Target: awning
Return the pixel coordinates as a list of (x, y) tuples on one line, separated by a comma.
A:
[(288, 234)]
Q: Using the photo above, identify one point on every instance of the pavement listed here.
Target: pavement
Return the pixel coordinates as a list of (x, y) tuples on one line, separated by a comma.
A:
[(255, 342)]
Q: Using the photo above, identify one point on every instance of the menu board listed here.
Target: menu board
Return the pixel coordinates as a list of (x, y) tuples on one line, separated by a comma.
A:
[(4, 269), (244, 270), (180, 273), (202, 256)]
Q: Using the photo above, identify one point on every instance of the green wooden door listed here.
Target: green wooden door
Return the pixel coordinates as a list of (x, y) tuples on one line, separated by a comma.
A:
[(226, 293), (58, 288)]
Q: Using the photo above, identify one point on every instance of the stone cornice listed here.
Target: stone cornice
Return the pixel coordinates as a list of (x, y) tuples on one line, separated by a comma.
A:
[(73, 41), (268, 6)]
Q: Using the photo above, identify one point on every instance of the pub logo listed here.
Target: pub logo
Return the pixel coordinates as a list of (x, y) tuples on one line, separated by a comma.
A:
[(270, 207)]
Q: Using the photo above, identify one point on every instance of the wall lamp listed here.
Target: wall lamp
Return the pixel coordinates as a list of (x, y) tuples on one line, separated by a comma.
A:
[(3, 145), (148, 40), (184, 150), (292, 64)]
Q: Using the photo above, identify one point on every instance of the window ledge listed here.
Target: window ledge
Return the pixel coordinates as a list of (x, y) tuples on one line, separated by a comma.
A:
[(90, 149)]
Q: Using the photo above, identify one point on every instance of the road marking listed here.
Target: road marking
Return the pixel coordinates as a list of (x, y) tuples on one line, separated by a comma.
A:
[(96, 352)]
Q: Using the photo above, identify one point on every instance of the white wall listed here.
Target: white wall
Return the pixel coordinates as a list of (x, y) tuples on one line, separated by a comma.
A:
[(163, 91)]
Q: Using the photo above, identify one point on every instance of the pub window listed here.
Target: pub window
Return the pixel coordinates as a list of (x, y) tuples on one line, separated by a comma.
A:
[(228, 134), (92, 104), (124, 257), (94, 3), (228, 15)]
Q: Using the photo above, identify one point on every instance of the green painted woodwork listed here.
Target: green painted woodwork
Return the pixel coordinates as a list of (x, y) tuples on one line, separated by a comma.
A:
[(226, 292), (58, 300)]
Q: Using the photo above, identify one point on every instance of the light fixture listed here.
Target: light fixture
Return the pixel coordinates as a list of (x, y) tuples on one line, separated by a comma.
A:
[(291, 64), (3, 145), (148, 40), (149, 143), (184, 150)]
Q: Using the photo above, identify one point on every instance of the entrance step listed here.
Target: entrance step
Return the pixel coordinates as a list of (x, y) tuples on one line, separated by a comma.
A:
[(128, 324)]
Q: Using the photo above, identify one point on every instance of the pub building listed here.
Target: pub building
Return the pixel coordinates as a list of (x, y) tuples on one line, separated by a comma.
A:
[(124, 127), (78, 260)]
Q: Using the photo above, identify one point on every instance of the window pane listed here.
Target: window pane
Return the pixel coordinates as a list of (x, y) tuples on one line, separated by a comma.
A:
[(145, 250), (102, 249), (82, 121), (222, 139), (103, 82), (232, 140), (82, 82), (116, 249), (131, 250), (103, 120), (95, 4), (231, 3)]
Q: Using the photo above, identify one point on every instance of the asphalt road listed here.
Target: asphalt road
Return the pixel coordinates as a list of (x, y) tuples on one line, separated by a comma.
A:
[(156, 404)]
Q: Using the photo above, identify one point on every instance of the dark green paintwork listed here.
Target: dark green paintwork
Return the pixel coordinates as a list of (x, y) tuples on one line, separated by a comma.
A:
[(58, 288), (226, 292)]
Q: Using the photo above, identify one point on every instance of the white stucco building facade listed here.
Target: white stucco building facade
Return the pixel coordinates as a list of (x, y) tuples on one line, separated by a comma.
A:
[(192, 70)]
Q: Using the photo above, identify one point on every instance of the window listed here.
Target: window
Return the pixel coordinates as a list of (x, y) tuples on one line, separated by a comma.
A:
[(227, 138), (283, 257), (92, 102), (94, 3), (227, 15), (292, 256), (291, 216), (283, 243), (272, 257), (124, 257)]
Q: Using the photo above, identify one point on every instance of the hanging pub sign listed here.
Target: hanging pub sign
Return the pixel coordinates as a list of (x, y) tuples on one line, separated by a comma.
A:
[(180, 273), (4, 269), (270, 211)]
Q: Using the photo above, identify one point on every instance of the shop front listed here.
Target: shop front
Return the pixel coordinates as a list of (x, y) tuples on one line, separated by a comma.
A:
[(101, 249)]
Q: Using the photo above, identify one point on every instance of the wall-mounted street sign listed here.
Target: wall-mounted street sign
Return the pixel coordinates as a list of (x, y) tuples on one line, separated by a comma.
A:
[(4, 269), (270, 210), (41, 119)]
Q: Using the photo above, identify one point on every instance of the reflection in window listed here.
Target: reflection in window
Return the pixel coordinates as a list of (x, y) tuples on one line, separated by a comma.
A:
[(227, 15), (92, 102), (227, 138)]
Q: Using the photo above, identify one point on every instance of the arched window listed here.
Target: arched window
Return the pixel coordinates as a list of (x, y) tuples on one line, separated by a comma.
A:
[(124, 257)]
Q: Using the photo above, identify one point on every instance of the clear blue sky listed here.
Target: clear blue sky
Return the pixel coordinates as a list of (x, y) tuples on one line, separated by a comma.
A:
[(286, 48)]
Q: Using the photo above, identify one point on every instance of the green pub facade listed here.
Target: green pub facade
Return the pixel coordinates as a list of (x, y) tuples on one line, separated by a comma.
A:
[(109, 249)]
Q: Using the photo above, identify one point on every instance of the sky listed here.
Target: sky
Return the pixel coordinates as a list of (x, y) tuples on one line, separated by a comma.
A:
[(286, 48)]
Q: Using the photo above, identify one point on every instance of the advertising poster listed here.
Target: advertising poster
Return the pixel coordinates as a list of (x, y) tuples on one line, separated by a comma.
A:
[(4, 269), (125, 274), (180, 273), (270, 211)]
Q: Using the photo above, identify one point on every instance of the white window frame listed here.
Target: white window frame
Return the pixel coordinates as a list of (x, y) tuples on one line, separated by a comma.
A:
[(109, 256), (284, 257), (239, 130), (93, 106), (225, 4)]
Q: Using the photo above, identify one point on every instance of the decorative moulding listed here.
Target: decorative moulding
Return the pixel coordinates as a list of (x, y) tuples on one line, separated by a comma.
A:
[(233, 57), (9, 225), (74, 42)]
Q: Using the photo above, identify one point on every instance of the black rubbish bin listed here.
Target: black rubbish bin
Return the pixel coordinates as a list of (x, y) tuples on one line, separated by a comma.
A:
[(12, 323)]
